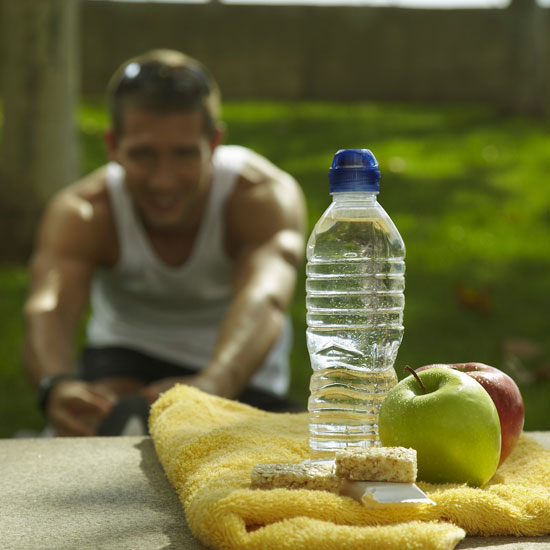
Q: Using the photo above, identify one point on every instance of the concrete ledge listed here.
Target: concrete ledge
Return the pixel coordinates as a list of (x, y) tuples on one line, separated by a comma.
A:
[(89, 493)]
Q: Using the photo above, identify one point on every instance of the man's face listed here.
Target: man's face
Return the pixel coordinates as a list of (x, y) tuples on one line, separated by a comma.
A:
[(167, 160)]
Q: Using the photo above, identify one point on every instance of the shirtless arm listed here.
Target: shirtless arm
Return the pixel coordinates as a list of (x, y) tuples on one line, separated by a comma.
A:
[(61, 268), (266, 223), (264, 286)]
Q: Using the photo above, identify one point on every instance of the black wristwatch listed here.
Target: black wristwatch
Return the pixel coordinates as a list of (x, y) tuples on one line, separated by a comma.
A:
[(46, 385)]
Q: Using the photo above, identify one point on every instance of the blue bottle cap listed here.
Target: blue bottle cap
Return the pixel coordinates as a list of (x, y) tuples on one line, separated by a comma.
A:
[(354, 170)]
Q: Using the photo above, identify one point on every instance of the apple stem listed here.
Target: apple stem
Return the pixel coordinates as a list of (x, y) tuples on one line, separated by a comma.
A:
[(412, 371)]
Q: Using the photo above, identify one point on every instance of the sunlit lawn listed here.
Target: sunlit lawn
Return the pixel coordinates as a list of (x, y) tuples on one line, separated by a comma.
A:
[(467, 187)]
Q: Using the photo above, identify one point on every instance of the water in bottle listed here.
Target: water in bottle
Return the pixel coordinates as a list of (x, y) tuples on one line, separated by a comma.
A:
[(355, 283)]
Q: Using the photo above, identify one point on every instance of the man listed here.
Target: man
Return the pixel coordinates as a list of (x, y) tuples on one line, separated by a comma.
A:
[(186, 249)]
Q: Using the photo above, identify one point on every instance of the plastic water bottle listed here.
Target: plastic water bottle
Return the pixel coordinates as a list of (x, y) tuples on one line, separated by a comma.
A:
[(354, 297)]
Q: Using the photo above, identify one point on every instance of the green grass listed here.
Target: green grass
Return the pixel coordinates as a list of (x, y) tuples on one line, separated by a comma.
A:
[(468, 189)]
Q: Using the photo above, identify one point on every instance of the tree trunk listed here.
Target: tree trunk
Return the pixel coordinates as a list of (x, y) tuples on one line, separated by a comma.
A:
[(39, 142), (530, 46)]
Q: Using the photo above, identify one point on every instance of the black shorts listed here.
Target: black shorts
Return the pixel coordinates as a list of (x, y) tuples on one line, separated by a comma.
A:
[(114, 361)]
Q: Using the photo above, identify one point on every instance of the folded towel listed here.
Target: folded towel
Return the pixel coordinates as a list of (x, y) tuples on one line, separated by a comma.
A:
[(208, 446)]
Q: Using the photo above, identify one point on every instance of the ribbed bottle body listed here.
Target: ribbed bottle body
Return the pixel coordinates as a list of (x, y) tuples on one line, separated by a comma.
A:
[(355, 300)]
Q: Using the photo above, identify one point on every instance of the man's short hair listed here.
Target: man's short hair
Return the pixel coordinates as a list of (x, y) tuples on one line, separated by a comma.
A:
[(164, 81)]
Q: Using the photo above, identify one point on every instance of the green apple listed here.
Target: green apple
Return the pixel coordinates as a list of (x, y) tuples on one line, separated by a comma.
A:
[(450, 420)]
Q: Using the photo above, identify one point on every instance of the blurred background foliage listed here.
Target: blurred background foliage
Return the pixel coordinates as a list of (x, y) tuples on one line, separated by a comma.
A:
[(468, 188)]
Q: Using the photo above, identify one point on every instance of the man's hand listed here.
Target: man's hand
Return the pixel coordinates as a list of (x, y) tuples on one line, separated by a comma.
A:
[(153, 391), (76, 408)]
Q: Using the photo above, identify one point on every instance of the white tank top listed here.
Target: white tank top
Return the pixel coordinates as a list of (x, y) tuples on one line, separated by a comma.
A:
[(174, 313)]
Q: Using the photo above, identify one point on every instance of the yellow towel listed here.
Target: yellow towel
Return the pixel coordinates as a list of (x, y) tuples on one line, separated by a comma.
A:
[(209, 445)]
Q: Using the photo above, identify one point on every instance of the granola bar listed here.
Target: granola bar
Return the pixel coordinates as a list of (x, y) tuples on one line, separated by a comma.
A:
[(316, 476), (394, 464)]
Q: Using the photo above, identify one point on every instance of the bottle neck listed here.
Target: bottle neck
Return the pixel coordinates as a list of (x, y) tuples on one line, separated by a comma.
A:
[(354, 196)]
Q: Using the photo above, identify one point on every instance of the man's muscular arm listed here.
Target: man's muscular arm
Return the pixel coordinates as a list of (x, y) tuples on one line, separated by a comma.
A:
[(65, 255), (266, 223)]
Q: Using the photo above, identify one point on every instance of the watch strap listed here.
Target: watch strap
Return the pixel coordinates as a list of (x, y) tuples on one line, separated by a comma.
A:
[(47, 384)]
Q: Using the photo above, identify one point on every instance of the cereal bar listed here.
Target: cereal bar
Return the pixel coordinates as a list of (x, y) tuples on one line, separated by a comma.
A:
[(394, 464), (317, 476)]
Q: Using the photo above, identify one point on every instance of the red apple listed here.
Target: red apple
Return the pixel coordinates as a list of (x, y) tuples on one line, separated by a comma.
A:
[(505, 395)]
